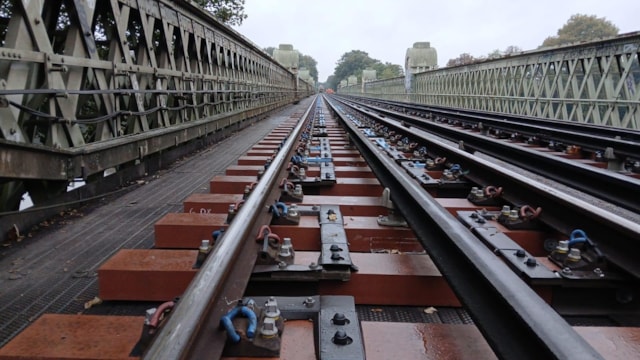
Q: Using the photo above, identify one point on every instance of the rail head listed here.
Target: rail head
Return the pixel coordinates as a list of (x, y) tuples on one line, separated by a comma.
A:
[(516, 322), (176, 339)]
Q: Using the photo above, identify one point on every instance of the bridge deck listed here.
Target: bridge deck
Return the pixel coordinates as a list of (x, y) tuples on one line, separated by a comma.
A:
[(55, 270)]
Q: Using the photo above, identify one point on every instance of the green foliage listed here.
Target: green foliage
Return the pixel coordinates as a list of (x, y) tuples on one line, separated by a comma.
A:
[(581, 27), (466, 58), (6, 11), (353, 62), (230, 12), (331, 82), (494, 54), (387, 70), (310, 64), (462, 59)]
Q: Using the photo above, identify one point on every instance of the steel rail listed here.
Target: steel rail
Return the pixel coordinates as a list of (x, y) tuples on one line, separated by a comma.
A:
[(607, 185), (586, 135), (202, 304), (618, 236), (515, 321)]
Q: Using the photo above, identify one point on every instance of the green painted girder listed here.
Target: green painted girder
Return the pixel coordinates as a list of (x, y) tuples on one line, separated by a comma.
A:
[(596, 83)]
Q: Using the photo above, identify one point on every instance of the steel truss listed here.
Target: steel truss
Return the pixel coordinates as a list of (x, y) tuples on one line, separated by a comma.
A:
[(75, 73), (596, 83)]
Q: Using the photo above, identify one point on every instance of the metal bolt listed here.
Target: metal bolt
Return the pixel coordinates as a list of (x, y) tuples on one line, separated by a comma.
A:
[(335, 247), (598, 272), (282, 264), (269, 328), (567, 271), (574, 254), (336, 257), (271, 308), (520, 253), (505, 210), (531, 262), (563, 246), (339, 319), (313, 266), (309, 302), (204, 245), (341, 338)]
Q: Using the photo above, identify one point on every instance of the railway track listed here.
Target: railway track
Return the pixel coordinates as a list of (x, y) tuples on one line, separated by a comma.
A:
[(601, 161), (506, 259)]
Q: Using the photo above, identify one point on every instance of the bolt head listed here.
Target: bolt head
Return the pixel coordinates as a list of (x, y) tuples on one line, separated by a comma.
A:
[(339, 319), (341, 338)]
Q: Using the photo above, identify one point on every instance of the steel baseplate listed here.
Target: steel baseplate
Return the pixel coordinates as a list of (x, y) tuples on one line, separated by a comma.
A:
[(391, 150), (334, 253), (334, 262), (519, 260), (337, 330), (418, 171)]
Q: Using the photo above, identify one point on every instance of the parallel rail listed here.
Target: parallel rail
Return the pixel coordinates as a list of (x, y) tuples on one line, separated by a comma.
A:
[(500, 294), (609, 185)]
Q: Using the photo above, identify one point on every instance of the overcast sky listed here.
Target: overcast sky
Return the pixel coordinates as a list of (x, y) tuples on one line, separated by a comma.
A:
[(385, 29)]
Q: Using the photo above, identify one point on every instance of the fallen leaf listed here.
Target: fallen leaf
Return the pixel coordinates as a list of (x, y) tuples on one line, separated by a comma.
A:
[(430, 310), (95, 301)]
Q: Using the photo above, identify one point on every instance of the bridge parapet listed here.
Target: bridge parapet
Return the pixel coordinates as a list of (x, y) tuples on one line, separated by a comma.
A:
[(595, 82), (92, 85)]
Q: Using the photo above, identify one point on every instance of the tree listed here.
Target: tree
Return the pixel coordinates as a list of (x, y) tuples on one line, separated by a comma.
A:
[(463, 59), (230, 12), (387, 70), (352, 63), (331, 83), (494, 54), (581, 27), (355, 61), (310, 64), (512, 49)]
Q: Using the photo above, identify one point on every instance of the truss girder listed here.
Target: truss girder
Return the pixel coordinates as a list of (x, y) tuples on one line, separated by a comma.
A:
[(596, 83), (75, 72)]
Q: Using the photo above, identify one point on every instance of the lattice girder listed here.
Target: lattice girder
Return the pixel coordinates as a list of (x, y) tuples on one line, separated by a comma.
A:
[(596, 82), (107, 69)]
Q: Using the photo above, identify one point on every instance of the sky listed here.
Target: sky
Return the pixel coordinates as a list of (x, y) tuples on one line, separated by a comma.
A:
[(327, 29)]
